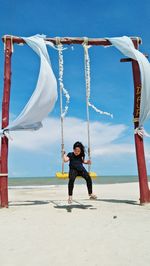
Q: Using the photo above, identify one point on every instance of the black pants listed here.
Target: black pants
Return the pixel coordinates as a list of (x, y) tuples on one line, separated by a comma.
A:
[(73, 173)]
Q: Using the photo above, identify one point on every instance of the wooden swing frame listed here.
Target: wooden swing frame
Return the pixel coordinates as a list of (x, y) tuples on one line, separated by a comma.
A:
[(8, 44)]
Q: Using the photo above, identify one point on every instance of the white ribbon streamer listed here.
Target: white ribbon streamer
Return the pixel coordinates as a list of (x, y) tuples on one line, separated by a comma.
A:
[(99, 111), (88, 80), (61, 83)]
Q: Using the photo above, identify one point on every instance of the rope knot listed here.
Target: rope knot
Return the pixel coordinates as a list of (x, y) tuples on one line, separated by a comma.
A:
[(86, 40), (58, 42)]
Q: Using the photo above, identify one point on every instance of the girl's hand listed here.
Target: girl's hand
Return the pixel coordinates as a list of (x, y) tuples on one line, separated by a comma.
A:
[(66, 158), (89, 162)]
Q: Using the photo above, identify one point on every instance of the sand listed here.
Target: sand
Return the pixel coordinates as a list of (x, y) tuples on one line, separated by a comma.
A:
[(40, 228)]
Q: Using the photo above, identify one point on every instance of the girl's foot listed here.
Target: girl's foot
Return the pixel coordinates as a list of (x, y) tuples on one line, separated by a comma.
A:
[(70, 199), (93, 197)]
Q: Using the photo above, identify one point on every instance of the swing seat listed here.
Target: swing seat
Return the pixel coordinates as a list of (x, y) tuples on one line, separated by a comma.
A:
[(62, 175), (65, 175), (93, 174)]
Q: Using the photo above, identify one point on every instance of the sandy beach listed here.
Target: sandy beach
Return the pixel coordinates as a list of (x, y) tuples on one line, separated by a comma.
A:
[(40, 228)]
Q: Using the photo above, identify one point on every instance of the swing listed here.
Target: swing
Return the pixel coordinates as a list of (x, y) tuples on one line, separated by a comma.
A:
[(62, 174)]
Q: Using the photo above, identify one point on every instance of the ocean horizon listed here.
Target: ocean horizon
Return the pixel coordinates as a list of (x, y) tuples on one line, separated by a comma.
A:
[(45, 181)]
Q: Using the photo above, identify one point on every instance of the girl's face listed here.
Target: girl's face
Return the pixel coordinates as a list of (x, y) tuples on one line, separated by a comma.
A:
[(77, 151)]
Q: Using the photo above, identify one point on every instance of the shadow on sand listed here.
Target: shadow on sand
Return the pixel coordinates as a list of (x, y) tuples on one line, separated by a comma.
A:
[(132, 202), (28, 202), (74, 205), (59, 204)]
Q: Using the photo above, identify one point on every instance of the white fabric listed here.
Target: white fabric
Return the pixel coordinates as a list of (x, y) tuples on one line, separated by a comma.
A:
[(44, 96), (125, 45)]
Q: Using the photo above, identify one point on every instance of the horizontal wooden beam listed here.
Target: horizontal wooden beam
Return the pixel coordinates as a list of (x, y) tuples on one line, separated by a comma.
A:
[(126, 60), (71, 40)]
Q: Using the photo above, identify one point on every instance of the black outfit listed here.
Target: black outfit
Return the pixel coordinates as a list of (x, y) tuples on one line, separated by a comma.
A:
[(76, 168)]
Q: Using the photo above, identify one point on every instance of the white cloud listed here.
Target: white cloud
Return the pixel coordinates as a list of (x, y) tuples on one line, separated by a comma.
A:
[(103, 137), (114, 149), (111, 145)]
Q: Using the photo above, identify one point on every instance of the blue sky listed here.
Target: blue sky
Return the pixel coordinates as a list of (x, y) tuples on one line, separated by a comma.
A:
[(113, 152)]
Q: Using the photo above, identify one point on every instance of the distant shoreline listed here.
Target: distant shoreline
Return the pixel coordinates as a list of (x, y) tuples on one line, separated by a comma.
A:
[(55, 177), (48, 181)]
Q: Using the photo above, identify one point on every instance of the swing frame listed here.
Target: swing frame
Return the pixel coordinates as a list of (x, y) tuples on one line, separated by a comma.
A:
[(139, 144)]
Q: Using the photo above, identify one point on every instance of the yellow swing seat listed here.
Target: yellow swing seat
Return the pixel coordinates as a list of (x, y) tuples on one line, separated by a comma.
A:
[(65, 175)]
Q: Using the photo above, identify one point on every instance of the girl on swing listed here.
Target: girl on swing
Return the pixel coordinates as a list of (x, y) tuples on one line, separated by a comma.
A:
[(76, 168)]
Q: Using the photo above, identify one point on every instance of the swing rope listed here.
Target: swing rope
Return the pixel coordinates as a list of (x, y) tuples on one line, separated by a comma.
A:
[(87, 81), (62, 92)]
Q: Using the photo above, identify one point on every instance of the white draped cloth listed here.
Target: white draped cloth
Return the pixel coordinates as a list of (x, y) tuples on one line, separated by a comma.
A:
[(125, 45), (44, 96)]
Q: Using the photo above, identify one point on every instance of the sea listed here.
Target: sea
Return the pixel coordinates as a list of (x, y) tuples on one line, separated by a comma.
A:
[(47, 181)]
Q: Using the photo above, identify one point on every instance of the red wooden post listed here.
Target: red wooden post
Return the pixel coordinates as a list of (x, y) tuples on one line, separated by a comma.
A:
[(5, 121), (139, 145)]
